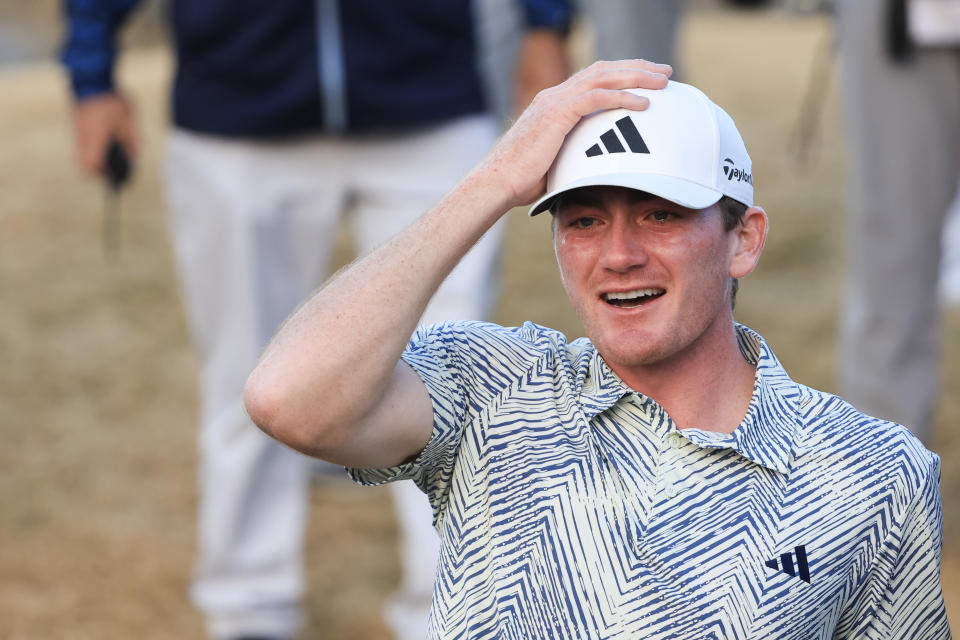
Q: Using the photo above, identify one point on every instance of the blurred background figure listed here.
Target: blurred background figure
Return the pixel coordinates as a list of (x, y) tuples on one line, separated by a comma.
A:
[(288, 117), (619, 29), (635, 29), (950, 263), (900, 62)]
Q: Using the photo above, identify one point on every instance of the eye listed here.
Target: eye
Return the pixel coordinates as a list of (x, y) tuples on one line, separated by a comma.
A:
[(583, 222), (661, 215)]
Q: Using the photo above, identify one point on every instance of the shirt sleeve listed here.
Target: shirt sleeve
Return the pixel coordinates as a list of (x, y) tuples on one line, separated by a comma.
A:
[(89, 47), (443, 356), (902, 597), (548, 14)]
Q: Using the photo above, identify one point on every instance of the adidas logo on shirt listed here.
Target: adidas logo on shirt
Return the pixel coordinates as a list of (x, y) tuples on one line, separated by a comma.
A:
[(786, 564), (611, 141)]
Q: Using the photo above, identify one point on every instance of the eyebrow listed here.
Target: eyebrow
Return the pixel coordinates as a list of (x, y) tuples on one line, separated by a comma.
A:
[(584, 197)]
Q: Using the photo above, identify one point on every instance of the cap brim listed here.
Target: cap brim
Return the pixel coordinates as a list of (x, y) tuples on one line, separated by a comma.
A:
[(683, 192)]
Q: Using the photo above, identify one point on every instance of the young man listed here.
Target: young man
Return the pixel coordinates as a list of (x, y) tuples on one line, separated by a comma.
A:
[(664, 478)]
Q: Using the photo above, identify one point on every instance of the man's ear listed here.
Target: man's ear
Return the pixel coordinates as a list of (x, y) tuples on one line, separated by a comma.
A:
[(750, 236)]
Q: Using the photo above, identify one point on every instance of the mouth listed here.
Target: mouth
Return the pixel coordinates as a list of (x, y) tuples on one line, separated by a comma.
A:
[(634, 298)]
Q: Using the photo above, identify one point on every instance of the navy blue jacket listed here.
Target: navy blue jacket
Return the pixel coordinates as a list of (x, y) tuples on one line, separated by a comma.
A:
[(266, 68)]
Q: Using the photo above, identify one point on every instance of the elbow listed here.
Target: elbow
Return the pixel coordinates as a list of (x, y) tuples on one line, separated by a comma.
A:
[(263, 404), (275, 411)]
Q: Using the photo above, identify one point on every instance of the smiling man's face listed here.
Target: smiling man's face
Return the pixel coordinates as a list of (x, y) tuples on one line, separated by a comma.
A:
[(649, 279)]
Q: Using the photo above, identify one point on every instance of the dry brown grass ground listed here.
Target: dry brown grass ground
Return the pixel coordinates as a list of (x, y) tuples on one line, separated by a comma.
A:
[(97, 400)]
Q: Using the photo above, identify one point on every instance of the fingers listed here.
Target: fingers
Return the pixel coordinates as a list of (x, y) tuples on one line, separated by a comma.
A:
[(602, 99), (623, 74), (127, 135), (638, 63), (603, 85), (519, 162), (91, 143)]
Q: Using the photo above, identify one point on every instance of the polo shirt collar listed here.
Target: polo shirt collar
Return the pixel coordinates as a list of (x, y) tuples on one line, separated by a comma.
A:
[(599, 387), (766, 434)]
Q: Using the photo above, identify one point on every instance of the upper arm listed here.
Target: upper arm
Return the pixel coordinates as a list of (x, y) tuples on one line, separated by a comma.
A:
[(903, 597), (394, 431), (912, 605)]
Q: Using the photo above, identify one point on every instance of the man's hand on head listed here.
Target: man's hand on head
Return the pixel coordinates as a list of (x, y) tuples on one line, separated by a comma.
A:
[(518, 164), (383, 414)]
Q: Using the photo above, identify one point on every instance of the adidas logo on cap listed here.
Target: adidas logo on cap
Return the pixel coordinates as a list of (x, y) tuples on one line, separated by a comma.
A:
[(612, 143)]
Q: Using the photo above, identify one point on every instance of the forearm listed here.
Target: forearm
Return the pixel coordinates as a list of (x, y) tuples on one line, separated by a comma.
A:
[(541, 62), (541, 59), (89, 48), (333, 361)]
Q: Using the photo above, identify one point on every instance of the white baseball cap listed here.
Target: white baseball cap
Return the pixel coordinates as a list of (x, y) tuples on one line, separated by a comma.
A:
[(682, 148)]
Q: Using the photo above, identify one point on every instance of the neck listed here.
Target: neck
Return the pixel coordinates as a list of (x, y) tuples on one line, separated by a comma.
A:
[(707, 386)]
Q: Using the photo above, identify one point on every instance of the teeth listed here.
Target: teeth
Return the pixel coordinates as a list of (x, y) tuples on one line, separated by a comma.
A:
[(636, 293)]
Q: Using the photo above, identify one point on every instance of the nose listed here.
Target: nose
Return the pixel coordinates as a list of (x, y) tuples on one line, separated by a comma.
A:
[(623, 248)]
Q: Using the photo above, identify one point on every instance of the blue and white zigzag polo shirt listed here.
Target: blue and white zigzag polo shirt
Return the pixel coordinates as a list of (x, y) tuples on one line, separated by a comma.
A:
[(570, 506)]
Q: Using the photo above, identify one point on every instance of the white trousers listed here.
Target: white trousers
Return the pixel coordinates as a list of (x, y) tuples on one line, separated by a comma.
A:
[(253, 225), (949, 289)]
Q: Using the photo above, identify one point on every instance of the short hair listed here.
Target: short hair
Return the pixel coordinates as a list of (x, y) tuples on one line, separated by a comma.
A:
[(732, 212)]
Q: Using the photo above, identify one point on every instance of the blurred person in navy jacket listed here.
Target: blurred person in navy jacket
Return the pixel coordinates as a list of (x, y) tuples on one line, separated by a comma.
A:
[(289, 116)]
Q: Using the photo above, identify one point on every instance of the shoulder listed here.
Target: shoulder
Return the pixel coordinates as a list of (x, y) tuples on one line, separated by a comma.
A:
[(490, 354), (492, 340), (861, 447)]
